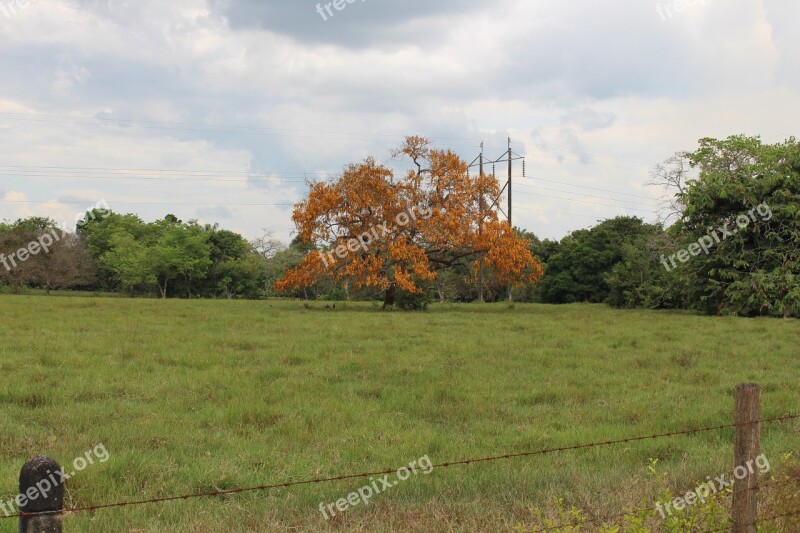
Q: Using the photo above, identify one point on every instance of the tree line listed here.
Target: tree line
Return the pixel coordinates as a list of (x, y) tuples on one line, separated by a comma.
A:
[(731, 248)]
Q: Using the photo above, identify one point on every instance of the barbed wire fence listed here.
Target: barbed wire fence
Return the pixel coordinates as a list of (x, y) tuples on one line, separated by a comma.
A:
[(45, 515)]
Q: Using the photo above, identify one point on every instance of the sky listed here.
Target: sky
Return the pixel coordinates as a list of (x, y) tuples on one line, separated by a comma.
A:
[(223, 110)]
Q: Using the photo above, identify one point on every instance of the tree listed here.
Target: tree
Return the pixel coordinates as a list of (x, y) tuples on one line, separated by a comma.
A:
[(267, 246), (241, 276), (101, 236), (751, 192), (578, 271), (640, 279), (180, 251), (542, 250), (127, 259), (67, 264), (374, 229), (37, 253), (672, 176), (14, 271), (227, 252)]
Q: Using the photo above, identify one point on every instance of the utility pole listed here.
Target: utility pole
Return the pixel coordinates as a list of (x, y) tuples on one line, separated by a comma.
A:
[(510, 157), (511, 225), (480, 230)]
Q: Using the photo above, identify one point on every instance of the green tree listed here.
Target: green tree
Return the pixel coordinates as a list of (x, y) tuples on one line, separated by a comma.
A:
[(640, 279), (127, 260), (752, 190), (102, 234), (578, 271), (242, 277), (228, 252), (180, 251)]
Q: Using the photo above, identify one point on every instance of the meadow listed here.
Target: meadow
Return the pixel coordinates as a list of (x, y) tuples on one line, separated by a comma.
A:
[(196, 396)]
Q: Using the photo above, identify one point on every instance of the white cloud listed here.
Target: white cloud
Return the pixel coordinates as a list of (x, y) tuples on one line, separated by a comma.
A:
[(596, 92)]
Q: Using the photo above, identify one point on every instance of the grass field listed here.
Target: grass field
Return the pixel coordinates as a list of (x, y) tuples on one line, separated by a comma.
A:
[(195, 396)]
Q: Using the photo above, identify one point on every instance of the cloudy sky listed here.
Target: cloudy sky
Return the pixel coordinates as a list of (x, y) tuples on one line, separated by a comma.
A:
[(220, 110)]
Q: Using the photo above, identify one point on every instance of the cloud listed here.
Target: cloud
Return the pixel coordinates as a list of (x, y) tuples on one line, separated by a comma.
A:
[(216, 213), (254, 96), (361, 24), (589, 119), (66, 76)]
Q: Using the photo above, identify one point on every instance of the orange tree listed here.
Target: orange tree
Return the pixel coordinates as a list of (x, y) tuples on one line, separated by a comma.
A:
[(371, 228)]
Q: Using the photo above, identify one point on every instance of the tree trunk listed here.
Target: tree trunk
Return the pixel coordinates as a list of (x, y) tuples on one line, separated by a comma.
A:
[(480, 281), (388, 300), (163, 289), (786, 312)]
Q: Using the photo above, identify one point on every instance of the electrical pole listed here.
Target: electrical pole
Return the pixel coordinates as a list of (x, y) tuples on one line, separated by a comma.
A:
[(510, 157), (509, 183), (510, 224), (480, 229)]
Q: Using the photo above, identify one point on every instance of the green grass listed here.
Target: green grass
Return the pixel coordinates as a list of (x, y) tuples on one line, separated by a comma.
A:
[(194, 396)]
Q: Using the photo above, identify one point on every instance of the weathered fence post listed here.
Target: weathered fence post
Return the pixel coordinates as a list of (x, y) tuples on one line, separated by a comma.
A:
[(41, 489), (746, 450)]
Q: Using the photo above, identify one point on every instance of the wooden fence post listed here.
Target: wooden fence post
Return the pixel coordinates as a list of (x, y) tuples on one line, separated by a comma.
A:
[(41, 489), (746, 450)]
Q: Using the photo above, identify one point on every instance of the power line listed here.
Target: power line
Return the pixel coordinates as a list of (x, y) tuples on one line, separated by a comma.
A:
[(262, 130), (107, 173), (166, 179), (223, 126), (590, 203), (167, 175), (586, 195), (532, 209), (213, 128), (248, 177), (267, 131), (160, 170), (588, 187), (287, 204), (575, 153), (76, 202)]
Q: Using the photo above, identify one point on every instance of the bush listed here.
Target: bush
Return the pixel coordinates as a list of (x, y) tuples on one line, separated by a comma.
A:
[(413, 302)]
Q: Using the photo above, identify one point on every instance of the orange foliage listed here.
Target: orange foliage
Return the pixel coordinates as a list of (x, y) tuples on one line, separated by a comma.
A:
[(435, 217)]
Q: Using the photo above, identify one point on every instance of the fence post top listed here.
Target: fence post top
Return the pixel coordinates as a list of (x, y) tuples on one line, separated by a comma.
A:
[(43, 474)]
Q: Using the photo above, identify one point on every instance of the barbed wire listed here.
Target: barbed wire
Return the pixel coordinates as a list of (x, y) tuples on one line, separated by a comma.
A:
[(463, 462)]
